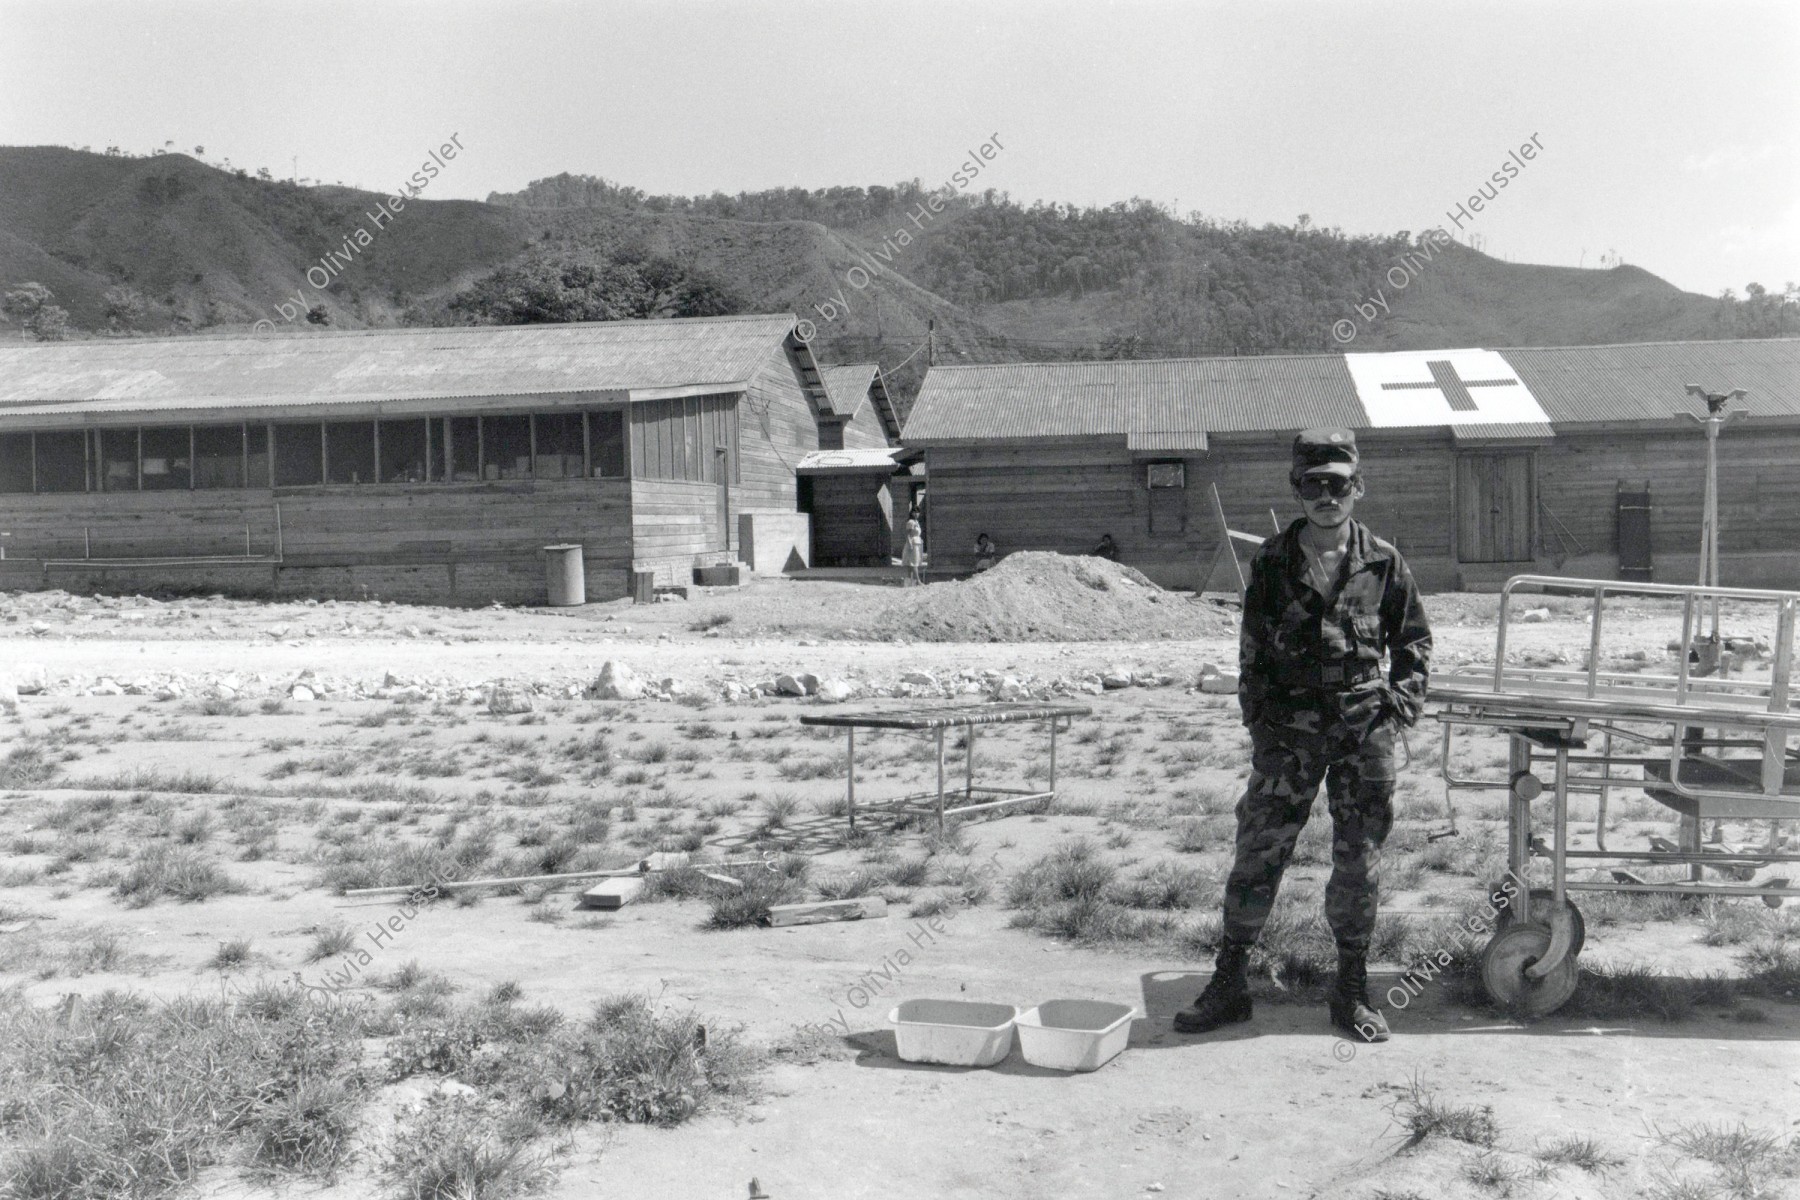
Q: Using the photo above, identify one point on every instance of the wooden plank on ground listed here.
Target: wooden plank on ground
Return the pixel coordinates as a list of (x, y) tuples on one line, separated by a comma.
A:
[(614, 893), (819, 912)]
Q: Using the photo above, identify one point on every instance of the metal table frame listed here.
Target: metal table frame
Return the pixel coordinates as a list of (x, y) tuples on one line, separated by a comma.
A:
[(1551, 716), (937, 719)]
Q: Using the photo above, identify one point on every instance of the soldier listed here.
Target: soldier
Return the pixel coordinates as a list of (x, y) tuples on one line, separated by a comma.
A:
[(1325, 599)]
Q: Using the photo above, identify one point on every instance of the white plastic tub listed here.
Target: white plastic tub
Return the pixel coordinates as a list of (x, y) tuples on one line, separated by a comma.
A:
[(1074, 1035), (960, 1033)]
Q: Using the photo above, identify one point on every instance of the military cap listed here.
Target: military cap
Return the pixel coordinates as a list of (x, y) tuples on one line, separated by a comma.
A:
[(1325, 452)]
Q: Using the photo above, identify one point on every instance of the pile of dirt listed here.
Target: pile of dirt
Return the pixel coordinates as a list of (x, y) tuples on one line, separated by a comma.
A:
[(1034, 596)]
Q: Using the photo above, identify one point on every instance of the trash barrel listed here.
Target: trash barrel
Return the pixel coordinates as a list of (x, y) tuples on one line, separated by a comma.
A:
[(566, 576)]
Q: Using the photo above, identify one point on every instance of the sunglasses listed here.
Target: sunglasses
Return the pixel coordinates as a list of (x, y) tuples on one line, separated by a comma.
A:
[(1313, 486)]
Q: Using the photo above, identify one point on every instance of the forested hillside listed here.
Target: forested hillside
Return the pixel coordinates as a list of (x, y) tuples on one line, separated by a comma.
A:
[(122, 245)]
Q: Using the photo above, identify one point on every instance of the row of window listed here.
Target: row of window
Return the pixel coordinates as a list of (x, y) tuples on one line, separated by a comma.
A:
[(293, 454)]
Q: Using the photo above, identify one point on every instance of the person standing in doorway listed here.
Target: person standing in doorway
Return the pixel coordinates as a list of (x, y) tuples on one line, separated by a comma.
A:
[(912, 556), (1326, 600)]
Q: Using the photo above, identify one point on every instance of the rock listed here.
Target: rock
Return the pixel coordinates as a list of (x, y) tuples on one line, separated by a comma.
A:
[(39, 629), (106, 687), (1535, 615), (1010, 688), (302, 693), (670, 686), (1116, 677), (919, 679), (617, 681), (31, 678), (411, 695), (278, 632), (506, 701), (835, 691), (1220, 683), (9, 695), (802, 684)]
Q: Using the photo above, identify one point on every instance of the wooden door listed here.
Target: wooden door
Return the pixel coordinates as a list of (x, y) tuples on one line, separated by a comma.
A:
[(722, 463), (1494, 499)]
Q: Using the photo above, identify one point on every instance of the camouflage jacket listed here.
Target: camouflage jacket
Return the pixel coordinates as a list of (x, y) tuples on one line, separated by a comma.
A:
[(1302, 655)]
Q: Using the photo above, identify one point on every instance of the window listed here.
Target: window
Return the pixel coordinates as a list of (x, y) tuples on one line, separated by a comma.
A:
[(62, 462), (15, 462), (167, 454), (118, 459), (1167, 482), (606, 443), (218, 456), (299, 455), (403, 451), (465, 448), (506, 447), (559, 454), (256, 455), (435, 430), (350, 452)]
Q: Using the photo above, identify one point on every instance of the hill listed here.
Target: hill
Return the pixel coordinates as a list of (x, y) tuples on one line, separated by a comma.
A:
[(209, 248)]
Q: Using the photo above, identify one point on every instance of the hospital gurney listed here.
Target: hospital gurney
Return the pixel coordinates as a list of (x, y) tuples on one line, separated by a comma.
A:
[(1710, 745)]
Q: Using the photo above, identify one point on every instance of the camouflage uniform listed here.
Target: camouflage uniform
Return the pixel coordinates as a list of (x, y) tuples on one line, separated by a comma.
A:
[(1312, 691)]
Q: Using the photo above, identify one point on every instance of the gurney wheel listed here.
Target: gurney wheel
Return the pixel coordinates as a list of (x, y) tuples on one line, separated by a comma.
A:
[(1503, 964), (1540, 904)]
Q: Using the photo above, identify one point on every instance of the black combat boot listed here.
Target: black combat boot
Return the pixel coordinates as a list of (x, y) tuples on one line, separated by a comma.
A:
[(1350, 1007), (1226, 998)]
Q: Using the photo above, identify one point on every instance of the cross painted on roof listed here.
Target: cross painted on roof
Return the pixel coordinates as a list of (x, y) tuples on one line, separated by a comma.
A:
[(1455, 388), (1441, 388)]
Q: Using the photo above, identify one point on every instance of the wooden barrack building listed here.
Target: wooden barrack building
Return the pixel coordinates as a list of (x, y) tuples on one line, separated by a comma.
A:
[(1480, 464), (415, 464)]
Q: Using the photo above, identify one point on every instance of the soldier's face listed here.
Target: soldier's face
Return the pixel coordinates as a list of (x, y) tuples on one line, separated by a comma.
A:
[(1319, 497)]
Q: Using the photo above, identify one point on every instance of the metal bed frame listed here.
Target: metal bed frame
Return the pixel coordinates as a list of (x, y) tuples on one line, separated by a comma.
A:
[(1711, 746), (936, 719)]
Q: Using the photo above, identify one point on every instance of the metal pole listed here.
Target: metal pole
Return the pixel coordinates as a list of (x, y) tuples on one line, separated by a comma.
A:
[(1053, 756), (850, 777), (969, 765), (940, 781), (1593, 680)]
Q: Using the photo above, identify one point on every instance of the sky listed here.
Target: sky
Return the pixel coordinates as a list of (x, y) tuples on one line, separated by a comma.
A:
[(1666, 134)]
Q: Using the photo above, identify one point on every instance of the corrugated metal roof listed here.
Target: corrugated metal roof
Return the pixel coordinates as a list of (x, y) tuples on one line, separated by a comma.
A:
[(1156, 404), (1579, 385), (154, 375)]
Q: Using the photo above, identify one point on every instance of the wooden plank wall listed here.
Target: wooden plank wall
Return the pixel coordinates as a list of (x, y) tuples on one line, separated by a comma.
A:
[(864, 431), (675, 522), (472, 542), (1063, 496), (852, 520), (1759, 487), (776, 425)]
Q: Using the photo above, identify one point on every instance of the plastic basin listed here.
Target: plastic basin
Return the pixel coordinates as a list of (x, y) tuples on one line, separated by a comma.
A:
[(959, 1033), (1074, 1035)]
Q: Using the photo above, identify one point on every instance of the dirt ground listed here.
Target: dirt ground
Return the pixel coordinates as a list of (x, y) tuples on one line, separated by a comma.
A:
[(294, 744)]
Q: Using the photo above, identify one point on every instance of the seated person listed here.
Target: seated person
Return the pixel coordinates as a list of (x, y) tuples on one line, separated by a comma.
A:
[(1107, 548), (986, 554)]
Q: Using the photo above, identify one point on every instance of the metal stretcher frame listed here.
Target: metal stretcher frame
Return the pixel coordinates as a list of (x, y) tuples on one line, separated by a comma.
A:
[(937, 719), (1550, 717)]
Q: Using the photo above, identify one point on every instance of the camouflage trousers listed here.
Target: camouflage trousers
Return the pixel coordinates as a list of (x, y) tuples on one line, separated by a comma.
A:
[(1357, 768)]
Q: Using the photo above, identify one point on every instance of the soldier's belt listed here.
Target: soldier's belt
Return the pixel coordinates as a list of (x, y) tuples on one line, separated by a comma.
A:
[(1331, 676)]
